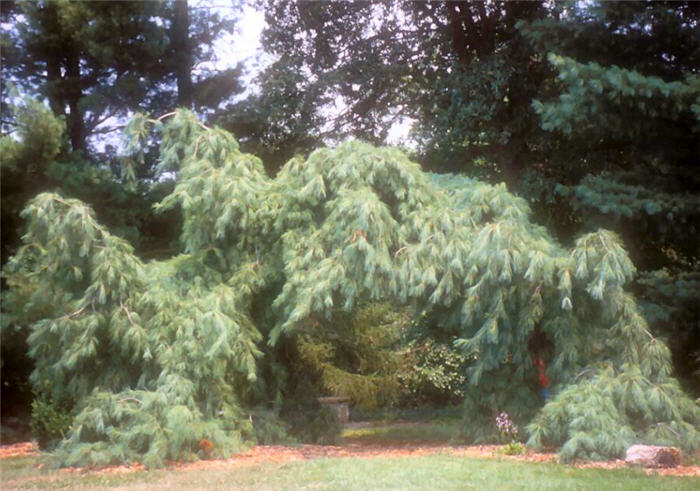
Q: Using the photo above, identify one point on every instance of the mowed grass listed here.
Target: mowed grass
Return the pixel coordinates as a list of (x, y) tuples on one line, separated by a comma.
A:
[(435, 471), (424, 472), (441, 432)]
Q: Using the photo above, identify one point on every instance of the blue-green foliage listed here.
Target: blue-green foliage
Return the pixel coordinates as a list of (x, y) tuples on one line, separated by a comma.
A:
[(619, 107), (637, 202), (637, 136), (630, 141), (158, 356), (593, 91)]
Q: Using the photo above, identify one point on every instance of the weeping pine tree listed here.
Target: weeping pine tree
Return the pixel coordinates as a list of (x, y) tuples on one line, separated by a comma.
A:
[(157, 357)]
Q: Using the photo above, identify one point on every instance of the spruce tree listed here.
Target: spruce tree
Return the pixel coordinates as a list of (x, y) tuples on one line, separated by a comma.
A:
[(157, 357)]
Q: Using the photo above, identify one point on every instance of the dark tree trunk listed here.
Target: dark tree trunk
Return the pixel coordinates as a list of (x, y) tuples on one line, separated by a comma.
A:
[(182, 51), (459, 40), (76, 124), (53, 80), (511, 157), (470, 37), (53, 58)]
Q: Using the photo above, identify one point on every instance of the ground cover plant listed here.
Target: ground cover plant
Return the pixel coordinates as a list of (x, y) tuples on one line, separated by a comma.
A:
[(193, 356)]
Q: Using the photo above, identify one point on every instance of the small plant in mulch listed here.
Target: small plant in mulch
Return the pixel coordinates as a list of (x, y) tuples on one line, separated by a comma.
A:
[(509, 433), (514, 448)]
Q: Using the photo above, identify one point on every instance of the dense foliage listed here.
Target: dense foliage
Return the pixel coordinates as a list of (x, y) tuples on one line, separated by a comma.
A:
[(355, 355), (157, 357), (94, 63), (436, 376), (586, 109), (351, 271)]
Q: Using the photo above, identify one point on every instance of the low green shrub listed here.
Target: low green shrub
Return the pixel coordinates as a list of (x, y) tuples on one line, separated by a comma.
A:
[(436, 376), (265, 428), (49, 422), (307, 420)]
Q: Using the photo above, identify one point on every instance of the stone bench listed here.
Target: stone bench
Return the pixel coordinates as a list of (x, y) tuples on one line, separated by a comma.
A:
[(340, 404)]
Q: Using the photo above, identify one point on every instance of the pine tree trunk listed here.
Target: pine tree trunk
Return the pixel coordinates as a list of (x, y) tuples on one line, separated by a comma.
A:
[(53, 68), (53, 77), (510, 158), (459, 40), (74, 94), (183, 53)]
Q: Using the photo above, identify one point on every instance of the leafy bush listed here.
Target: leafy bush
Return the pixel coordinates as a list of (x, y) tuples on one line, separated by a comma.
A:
[(435, 374), (49, 422)]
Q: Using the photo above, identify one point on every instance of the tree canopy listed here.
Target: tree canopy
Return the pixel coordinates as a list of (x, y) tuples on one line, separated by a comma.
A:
[(493, 90), (158, 356), (95, 62), (546, 210)]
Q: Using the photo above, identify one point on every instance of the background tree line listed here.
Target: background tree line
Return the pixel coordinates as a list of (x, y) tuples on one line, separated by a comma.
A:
[(590, 112)]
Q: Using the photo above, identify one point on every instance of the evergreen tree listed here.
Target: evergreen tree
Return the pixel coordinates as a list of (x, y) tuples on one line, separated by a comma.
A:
[(35, 157), (98, 62), (355, 355), (623, 119), (157, 357), (94, 63), (24, 166), (623, 109)]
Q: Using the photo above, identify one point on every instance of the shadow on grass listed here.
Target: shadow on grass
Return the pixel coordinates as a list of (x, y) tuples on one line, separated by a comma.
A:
[(401, 433)]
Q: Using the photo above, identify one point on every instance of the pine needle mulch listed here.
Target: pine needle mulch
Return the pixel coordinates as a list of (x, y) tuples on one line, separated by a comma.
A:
[(261, 454), (25, 449)]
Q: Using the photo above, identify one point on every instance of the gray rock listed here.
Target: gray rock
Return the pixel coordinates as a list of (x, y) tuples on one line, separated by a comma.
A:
[(653, 456)]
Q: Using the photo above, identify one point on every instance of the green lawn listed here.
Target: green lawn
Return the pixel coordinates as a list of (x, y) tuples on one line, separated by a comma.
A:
[(439, 471), (442, 432), (426, 472)]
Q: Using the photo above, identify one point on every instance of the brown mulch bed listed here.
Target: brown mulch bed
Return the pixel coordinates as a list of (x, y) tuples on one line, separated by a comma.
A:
[(282, 453), (18, 450)]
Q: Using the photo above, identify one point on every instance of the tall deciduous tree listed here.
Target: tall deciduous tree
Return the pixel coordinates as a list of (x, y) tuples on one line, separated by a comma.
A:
[(279, 121), (460, 68)]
